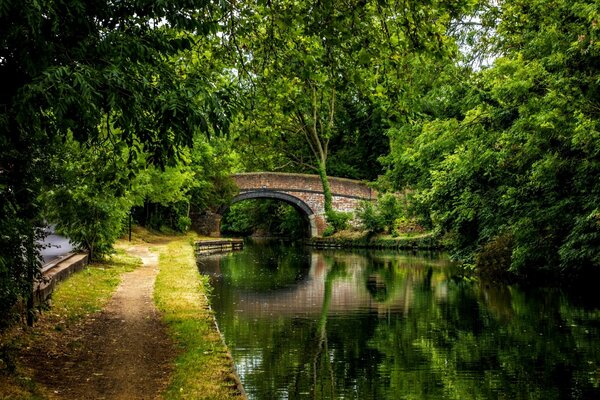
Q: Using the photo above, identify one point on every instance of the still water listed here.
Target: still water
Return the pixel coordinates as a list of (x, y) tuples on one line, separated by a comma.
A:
[(308, 324)]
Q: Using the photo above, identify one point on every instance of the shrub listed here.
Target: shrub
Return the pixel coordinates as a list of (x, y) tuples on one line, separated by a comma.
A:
[(494, 259), (381, 216), (389, 210), (369, 217), (183, 223), (338, 220), (407, 225), (328, 231)]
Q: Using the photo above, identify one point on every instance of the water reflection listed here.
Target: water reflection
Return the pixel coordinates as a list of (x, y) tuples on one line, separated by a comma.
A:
[(376, 325)]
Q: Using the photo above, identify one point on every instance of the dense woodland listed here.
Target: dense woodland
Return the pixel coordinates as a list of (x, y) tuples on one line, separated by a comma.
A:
[(482, 113)]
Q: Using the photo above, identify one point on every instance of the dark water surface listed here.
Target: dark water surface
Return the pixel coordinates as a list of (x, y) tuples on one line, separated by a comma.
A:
[(302, 323)]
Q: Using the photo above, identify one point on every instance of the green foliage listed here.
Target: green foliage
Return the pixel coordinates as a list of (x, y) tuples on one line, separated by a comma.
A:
[(240, 218), (292, 224), (264, 217), (165, 218), (322, 79), (211, 161), (18, 268), (580, 249), (183, 223), (329, 230), (90, 197), (166, 186), (165, 196), (369, 217), (517, 156), (381, 216), (406, 225), (88, 68), (390, 209), (198, 182), (338, 220), (493, 261), (359, 139)]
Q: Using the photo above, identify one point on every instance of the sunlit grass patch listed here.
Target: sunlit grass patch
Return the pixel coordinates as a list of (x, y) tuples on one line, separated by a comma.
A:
[(89, 290), (203, 368)]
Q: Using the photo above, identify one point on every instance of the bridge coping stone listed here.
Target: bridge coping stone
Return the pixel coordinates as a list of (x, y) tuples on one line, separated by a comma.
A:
[(293, 181)]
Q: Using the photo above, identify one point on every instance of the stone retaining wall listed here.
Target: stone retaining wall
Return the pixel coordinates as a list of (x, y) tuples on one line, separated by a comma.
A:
[(57, 272)]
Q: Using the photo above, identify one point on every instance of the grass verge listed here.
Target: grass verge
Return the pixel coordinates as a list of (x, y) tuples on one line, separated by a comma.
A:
[(203, 368), (90, 290), (84, 293)]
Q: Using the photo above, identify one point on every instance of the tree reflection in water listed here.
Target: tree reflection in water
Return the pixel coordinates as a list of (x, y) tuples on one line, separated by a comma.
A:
[(323, 325)]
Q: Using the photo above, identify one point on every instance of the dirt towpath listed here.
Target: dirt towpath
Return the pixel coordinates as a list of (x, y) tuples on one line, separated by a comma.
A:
[(122, 353)]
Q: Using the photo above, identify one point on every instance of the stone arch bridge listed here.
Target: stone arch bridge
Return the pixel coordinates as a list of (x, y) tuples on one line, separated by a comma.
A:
[(304, 192)]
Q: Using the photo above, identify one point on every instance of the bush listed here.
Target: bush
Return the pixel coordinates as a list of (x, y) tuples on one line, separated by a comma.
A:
[(407, 225), (328, 231), (494, 259), (369, 217), (183, 223), (338, 220), (381, 216), (389, 210)]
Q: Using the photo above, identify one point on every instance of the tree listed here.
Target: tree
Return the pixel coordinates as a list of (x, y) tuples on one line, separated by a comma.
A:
[(90, 195), (200, 182), (76, 66), (300, 59), (511, 173)]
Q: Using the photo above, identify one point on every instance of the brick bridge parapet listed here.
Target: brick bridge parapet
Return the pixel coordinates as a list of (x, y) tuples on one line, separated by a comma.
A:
[(304, 192)]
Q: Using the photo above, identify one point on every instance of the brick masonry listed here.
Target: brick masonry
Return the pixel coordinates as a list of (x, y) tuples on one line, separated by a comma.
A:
[(346, 193), (303, 191)]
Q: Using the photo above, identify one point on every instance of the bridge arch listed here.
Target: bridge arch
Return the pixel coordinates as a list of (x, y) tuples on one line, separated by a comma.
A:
[(304, 192), (294, 201)]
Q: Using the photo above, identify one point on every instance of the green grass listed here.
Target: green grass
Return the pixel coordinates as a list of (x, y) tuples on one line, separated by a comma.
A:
[(203, 368), (360, 239), (90, 290)]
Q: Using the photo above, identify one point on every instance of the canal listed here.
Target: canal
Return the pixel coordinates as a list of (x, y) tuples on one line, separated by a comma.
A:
[(307, 324)]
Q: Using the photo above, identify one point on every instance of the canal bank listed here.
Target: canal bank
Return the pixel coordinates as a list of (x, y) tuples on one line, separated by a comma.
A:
[(363, 240), (43, 362), (203, 366)]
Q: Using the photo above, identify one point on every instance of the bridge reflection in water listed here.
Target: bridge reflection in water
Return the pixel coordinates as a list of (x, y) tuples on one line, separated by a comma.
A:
[(386, 287), (298, 321), (332, 324)]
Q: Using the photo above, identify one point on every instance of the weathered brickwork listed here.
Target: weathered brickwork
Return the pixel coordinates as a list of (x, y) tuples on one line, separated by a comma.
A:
[(308, 190), (274, 180), (305, 192)]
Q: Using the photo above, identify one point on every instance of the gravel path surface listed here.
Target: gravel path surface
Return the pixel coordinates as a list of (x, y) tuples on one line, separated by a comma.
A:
[(123, 352)]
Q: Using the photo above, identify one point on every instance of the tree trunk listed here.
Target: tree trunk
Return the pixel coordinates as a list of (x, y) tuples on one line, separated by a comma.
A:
[(32, 265), (328, 199)]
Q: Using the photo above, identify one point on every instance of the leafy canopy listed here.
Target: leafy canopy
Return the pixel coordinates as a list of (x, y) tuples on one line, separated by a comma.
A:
[(512, 168)]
